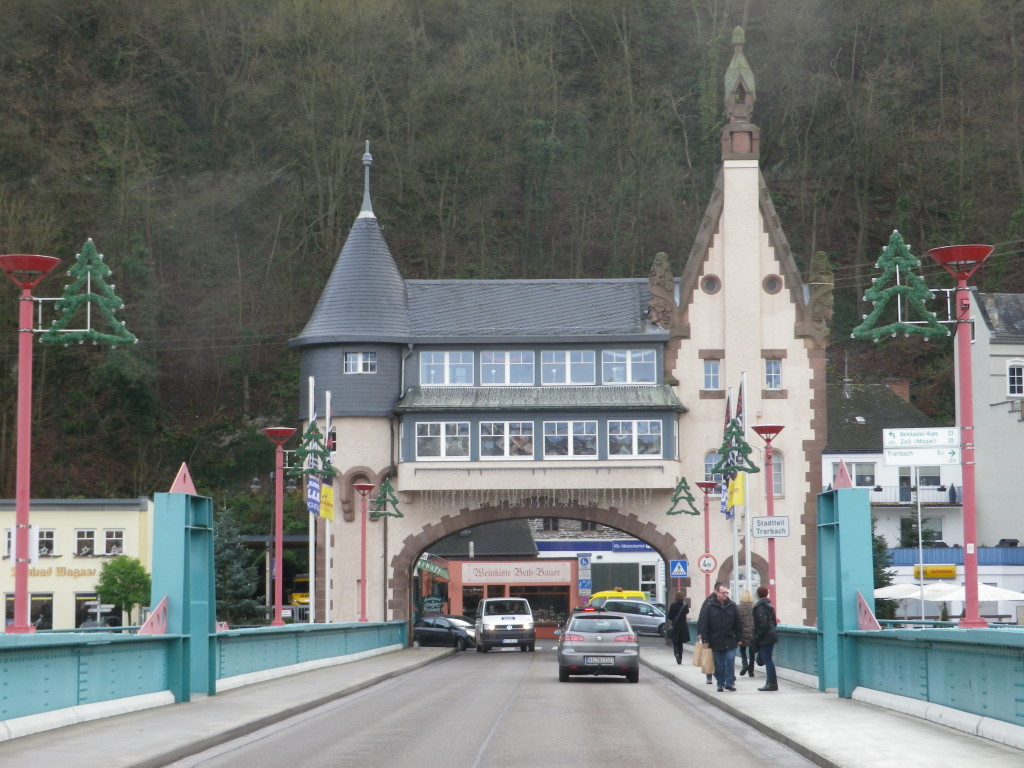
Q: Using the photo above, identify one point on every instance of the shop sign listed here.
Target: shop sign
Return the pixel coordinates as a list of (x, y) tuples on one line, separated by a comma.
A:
[(936, 571), (516, 573), (434, 568)]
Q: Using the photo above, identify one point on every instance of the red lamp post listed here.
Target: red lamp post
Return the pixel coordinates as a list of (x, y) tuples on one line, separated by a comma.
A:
[(961, 261), (279, 436), (707, 486), (769, 432), (364, 489), (26, 271)]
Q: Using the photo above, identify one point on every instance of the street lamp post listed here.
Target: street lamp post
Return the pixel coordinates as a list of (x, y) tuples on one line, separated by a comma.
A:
[(364, 489), (961, 261), (769, 432), (707, 486), (279, 436), (26, 271)]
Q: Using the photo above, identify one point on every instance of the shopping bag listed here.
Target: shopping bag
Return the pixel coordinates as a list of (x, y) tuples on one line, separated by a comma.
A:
[(708, 666), (698, 654)]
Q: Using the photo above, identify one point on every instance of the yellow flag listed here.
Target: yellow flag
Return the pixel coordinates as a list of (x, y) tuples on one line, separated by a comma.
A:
[(737, 495), (327, 498)]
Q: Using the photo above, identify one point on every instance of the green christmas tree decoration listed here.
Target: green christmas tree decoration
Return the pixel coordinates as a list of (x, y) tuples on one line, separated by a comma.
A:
[(735, 452), (898, 281), (386, 498), (682, 493), (312, 445), (88, 293)]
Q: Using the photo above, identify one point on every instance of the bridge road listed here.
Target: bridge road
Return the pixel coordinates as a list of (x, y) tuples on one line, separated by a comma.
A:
[(505, 709)]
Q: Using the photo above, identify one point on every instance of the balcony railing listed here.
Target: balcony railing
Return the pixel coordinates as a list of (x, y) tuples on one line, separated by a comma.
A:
[(901, 494)]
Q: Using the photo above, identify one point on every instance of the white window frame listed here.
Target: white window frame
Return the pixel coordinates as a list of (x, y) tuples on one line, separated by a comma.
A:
[(447, 430), (572, 429), (1015, 379), (47, 541), (778, 475), (83, 535), (562, 367), (772, 374), (638, 430), (8, 542), (512, 434), (498, 367), (360, 362), (113, 542), (858, 473), (631, 362), (712, 373), (450, 362), (711, 459)]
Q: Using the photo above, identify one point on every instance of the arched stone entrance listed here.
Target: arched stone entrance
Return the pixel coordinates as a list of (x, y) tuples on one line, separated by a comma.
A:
[(403, 562)]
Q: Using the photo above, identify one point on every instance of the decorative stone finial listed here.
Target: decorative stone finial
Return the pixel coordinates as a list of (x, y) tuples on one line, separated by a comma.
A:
[(367, 209)]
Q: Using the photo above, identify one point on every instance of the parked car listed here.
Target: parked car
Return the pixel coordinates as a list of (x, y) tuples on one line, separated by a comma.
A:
[(446, 631), (598, 643), (504, 622), (645, 618)]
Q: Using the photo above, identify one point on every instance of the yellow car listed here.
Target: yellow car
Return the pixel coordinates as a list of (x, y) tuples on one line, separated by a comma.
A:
[(300, 590)]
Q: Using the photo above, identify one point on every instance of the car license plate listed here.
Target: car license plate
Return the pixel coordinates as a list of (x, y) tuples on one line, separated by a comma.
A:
[(598, 659), (507, 640)]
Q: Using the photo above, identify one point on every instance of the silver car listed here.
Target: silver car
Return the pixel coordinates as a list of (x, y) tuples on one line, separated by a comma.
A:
[(645, 618), (598, 643)]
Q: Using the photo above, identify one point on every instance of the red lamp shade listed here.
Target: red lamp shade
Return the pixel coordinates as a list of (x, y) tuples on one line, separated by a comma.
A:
[(706, 485), (768, 432), (279, 435), (27, 270), (961, 260)]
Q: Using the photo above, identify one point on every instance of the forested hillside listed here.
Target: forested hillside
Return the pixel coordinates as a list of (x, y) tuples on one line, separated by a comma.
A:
[(212, 149)]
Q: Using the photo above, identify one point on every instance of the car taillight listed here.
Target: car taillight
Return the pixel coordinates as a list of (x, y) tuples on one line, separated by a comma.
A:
[(574, 638), (625, 638)]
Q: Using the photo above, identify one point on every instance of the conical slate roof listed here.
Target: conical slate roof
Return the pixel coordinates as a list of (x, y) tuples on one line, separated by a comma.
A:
[(365, 298)]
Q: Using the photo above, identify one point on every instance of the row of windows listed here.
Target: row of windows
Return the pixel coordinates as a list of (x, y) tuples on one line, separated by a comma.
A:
[(85, 542), (772, 374), (520, 439), (518, 368), (863, 475)]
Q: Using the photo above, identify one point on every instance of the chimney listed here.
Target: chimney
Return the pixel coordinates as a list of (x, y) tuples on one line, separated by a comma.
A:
[(900, 387)]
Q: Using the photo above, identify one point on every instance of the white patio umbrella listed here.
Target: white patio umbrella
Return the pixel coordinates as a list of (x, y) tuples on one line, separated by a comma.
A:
[(957, 593), (898, 591)]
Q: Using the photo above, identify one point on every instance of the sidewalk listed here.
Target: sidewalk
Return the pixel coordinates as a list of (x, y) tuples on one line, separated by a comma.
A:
[(847, 733)]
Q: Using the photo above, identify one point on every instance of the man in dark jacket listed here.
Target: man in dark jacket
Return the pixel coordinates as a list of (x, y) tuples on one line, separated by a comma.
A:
[(721, 628)]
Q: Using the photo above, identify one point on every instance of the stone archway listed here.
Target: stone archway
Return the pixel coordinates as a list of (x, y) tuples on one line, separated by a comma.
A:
[(404, 560)]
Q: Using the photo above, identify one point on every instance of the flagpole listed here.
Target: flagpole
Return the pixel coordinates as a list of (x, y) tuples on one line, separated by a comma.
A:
[(311, 612), (746, 491), (327, 520)]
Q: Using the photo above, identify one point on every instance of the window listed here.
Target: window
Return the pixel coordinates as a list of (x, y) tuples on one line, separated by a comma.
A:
[(442, 440), (498, 368), (438, 369), (8, 542), (710, 461), (506, 440), (1015, 379), (773, 374), (649, 578), (570, 439), (712, 378), (47, 537), (568, 366), (85, 543), (863, 475), (778, 488), (360, 362), (550, 523), (628, 366), (588, 525), (634, 438), (113, 543)]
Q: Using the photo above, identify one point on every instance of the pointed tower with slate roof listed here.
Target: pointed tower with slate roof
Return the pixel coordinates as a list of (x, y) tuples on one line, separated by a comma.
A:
[(745, 310), (359, 324)]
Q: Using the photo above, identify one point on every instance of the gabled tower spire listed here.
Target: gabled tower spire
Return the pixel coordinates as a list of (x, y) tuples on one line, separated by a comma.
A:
[(367, 209), (741, 139)]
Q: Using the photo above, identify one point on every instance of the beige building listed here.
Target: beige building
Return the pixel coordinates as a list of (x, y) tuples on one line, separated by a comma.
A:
[(73, 538)]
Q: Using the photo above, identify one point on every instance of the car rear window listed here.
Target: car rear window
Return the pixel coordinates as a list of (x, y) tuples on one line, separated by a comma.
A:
[(600, 624)]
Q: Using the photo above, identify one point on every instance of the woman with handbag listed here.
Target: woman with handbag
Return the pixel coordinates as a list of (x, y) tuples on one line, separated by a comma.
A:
[(748, 648), (765, 637), (679, 632)]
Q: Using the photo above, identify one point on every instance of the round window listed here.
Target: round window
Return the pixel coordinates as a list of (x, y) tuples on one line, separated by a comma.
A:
[(772, 284), (711, 284)]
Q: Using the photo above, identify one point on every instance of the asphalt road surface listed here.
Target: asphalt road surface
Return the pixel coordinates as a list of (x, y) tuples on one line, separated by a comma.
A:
[(505, 709)]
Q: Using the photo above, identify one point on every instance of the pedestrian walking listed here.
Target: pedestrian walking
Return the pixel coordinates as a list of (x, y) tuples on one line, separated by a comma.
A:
[(720, 629), (679, 632), (765, 636), (700, 618), (747, 648)]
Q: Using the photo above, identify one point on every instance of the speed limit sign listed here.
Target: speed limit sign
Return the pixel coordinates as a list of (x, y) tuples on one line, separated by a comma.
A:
[(707, 563)]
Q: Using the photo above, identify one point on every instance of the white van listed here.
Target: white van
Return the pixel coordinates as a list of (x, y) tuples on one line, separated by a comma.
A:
[(504, 622)]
